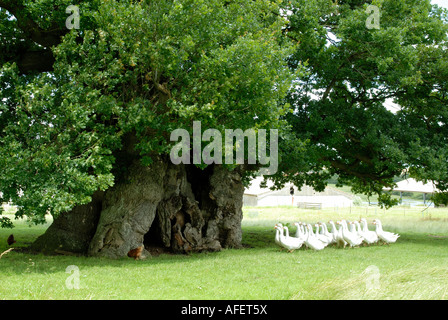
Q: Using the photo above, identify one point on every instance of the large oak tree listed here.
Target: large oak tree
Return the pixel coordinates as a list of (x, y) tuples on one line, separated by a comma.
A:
[(86, 117)]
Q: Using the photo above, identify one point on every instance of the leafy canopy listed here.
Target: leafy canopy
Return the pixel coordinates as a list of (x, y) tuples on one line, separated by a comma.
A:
[(340, 108), (131, 74)]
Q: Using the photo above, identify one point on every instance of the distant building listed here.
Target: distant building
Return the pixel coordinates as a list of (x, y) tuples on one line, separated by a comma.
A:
[(254, 195), (412, 185)]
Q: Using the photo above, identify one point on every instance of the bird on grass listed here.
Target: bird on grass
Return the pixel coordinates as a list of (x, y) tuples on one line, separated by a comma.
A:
[(285, 241), (11, 240), (352, 238), (387, 237), (136, 253)]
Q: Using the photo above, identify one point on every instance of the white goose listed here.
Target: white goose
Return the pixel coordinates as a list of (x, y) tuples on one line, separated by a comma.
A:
[(352, 238), (287, 242), (387, 237), (297, 224), (277, 233), (358, 228), (370, 237), (296, 240), (312, 242), (337, 233), (284, 228), (322, 236), (351, 227), (330, 235), (319, 235), (300, 232), (334, 231)]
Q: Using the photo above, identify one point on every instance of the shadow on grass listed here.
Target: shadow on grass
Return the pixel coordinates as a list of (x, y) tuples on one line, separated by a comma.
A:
[(22, 261), (255, 239)]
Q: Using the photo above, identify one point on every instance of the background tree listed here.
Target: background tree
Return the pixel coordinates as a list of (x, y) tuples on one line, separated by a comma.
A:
[(340, 111)]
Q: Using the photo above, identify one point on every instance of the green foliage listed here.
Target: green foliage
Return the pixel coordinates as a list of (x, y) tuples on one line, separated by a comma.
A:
[(339, 106), (5, 222), (133, 69)]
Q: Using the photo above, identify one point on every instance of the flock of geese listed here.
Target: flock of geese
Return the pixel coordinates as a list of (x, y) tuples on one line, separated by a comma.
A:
[(352, 233)]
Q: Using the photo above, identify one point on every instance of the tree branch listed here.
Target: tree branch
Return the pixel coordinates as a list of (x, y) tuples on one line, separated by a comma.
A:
[(33, 58), (40, 61), (45, 38), (351, 170)]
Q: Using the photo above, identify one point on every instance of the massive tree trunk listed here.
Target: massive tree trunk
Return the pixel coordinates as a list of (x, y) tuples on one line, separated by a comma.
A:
[(71, 231), (179, 208)]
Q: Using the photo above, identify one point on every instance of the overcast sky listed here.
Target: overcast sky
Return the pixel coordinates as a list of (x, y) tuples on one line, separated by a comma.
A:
[(442, 3)]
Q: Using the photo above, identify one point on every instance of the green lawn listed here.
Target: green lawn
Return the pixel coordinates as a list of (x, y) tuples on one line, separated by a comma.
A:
[(416, 267)]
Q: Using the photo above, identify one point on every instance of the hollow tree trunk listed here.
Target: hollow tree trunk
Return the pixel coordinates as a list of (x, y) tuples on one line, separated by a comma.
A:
[(178, 207)]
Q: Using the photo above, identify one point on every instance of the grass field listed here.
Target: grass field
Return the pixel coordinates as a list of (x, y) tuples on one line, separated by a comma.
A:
[(416, 267)]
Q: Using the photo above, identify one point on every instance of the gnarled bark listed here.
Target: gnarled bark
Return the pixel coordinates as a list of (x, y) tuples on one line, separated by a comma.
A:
[(72, 231), (178, 207)]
